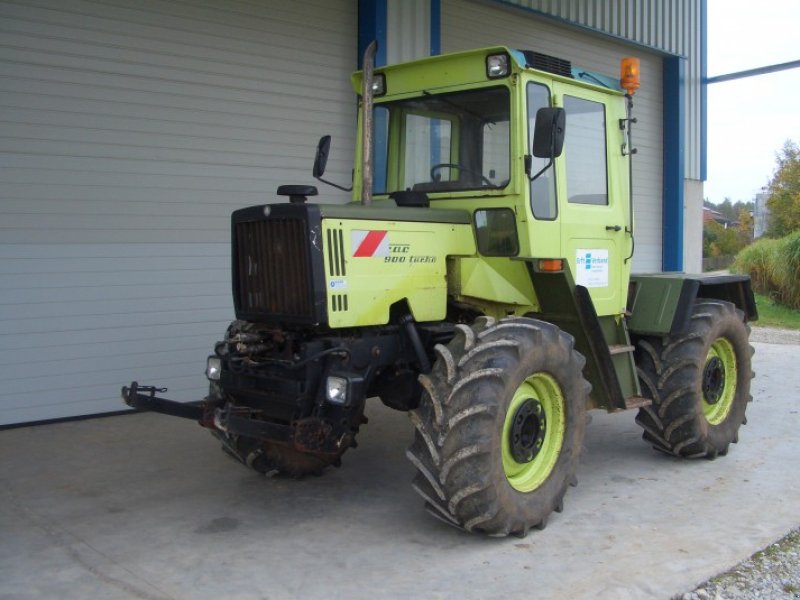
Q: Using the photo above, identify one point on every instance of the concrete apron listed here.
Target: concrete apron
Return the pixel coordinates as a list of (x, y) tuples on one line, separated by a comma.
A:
[(146, 506)]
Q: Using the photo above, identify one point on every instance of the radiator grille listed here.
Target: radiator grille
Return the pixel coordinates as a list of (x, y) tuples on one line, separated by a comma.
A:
[(339, 303), (335, 244), (274, 277)]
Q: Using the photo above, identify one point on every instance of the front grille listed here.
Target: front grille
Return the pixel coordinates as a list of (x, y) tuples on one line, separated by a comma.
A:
[(273, 268)]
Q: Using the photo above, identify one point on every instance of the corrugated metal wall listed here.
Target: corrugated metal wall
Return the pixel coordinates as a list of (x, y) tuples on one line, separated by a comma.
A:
[(671, 26), (467, 24), (408, 30), (129, 133)]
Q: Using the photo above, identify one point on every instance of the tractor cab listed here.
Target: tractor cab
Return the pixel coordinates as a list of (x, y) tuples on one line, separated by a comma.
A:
[(459, 132)]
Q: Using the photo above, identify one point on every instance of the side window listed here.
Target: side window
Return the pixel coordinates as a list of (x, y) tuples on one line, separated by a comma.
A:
[(496, 230), (543, 189), (585, 149), (427, 143)]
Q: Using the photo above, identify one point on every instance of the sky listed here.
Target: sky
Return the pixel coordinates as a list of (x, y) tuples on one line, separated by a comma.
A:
[(749, 119)]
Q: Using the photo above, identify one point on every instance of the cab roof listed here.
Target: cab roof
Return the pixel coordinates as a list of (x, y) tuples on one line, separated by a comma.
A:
[(469, 67)]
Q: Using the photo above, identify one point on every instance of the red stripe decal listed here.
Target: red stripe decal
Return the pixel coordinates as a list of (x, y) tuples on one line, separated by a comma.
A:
[(370, 243)]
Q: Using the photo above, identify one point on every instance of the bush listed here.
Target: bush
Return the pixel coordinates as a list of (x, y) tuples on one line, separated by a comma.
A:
[(774, 268), (789, 270), (758, 260)]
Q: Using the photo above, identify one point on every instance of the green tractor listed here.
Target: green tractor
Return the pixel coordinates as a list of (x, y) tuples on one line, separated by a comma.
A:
[(480, 281)]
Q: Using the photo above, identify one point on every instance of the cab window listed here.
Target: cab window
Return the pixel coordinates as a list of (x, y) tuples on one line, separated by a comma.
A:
[(585, 150), (543, 188), (444, 142)]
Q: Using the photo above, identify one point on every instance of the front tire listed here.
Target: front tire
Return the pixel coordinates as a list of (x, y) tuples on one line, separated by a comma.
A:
[(500, 426), (699, 382)]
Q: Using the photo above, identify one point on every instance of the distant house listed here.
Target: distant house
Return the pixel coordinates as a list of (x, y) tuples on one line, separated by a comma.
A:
[(713, 215)]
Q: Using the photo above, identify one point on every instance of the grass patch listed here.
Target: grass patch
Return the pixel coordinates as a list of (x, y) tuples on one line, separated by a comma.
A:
[(771, 314)]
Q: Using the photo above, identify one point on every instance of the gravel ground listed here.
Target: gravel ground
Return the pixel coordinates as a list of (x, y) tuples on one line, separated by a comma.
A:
[(772, 573), (772, 335)]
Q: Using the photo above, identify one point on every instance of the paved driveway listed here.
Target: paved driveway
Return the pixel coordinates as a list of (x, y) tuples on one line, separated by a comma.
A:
[(146, 506)]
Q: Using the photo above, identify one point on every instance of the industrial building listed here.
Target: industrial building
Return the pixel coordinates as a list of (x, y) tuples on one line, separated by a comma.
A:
[(131, 130)]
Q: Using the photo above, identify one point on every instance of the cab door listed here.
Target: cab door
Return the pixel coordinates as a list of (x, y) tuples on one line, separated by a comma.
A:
[(591, 206)]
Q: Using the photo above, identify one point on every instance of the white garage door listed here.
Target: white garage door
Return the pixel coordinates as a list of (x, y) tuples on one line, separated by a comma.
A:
[(130, 131), (467, 24)]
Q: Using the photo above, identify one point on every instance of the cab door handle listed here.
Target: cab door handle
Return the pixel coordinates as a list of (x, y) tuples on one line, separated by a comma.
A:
[(613, 228)]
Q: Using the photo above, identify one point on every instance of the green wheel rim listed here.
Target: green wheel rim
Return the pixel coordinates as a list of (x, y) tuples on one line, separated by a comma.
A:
[(722, 358), (528, 476)]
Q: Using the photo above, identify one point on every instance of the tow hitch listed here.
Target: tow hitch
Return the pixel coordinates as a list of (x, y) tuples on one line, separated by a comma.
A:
[(143, 397), (310, 435)]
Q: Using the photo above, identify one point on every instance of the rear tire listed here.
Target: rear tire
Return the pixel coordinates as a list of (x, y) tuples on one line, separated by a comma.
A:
[(500, 426), (699, 382)]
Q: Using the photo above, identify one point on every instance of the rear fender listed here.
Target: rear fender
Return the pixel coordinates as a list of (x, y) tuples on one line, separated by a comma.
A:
[(661, 303)]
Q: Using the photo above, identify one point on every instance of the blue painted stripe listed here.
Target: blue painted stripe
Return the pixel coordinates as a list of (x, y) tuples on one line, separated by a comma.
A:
[(372, 25), (674, 163), (372, 16), (703, 90), (795, 64), (436, 27)]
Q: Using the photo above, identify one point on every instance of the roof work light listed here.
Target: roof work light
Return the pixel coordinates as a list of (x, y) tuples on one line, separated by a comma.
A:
[(629, 75), (497, 65)]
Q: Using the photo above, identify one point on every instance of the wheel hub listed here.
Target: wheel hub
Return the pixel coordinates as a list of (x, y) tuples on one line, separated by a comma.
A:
[(713, 380), (527, 431)]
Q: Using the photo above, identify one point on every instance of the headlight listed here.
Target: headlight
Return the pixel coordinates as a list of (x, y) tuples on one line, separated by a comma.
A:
[(213, 368), (336, 390), (378, 84), (497, 65)]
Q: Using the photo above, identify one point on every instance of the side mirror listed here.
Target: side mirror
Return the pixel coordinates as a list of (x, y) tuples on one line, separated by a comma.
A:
[(321, 158), (548, 135)]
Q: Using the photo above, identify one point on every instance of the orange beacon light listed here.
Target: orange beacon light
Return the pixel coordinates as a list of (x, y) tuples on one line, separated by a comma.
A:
[(629, 75)]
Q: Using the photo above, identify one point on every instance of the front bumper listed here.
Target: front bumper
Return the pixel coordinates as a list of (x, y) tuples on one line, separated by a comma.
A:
[(310, 435)]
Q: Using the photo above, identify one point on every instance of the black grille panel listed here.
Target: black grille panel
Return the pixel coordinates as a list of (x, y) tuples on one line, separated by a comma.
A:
[(545, 62), (336, 261), (273, 268)]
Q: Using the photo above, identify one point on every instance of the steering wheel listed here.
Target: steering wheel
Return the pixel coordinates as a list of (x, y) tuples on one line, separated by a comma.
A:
[(439, 166)]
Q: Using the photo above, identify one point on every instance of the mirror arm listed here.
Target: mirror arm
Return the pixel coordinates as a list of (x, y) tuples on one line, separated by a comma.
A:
[(540, 173), (336, 185)]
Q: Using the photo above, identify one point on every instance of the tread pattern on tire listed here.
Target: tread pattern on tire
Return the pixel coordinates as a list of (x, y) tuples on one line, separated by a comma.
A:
[(456, 449), (670, 371)]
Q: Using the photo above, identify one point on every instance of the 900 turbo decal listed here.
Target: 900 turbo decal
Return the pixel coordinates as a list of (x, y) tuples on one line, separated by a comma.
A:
[(375, 243)]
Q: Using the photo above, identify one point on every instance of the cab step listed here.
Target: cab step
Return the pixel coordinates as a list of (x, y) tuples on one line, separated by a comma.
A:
[(637, 402), (620, 349)]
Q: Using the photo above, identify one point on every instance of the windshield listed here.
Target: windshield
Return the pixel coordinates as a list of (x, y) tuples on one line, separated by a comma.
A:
[(443, 142)]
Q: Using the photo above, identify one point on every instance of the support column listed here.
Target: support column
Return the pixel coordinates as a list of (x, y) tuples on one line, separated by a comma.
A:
[(674, 163)]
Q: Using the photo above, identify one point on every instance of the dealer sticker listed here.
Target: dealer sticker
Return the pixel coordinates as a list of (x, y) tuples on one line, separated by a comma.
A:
[(338, 284), (591, 267)]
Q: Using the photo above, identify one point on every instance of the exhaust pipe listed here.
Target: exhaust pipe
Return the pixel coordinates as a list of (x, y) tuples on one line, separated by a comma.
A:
[(368, 65)]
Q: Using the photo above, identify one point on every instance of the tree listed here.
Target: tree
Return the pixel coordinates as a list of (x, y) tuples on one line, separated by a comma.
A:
[(731, 211), (744, 227), (719, 241), (784, 192)]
